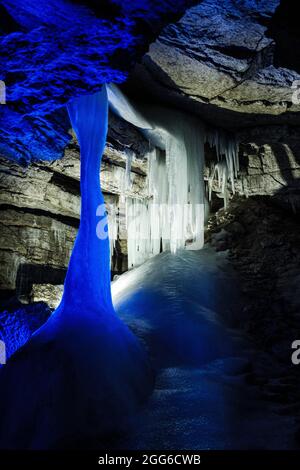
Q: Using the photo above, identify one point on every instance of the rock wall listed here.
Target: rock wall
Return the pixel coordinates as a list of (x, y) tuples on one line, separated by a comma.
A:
[(270, 164), (263, 242), (40, 207), (40, 204), (269, 159), (221, 62)]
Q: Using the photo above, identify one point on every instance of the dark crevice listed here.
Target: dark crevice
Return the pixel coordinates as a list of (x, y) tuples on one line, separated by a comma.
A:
[(261, 58), (29, 274), (67, 183), (121, 164), (8, 24), (284, 29), (238, 52), (67, 220)]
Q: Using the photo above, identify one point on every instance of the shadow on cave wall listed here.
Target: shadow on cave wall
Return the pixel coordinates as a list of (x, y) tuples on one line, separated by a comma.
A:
[(29, 274), (284, 29), (154, 86), (288, 160)]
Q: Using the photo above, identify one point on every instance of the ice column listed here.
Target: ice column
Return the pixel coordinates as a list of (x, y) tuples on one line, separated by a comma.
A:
[(89, 269)]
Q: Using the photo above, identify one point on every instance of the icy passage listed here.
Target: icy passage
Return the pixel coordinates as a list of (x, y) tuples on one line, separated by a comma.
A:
[(180, 305)]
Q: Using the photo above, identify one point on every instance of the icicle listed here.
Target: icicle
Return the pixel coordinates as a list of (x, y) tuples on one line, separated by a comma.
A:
[(173, 215), (158, 187), (228, 162), (184, 164), (121, 105), (138, 230), (220, 173), (125, 177), (113, 224), (129, 158)]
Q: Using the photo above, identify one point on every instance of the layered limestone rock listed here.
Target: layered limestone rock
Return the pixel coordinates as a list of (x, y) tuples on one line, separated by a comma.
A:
[(40, 204), (34, 248), (269, 158), (270, 163), (40, 207), (218, 61)]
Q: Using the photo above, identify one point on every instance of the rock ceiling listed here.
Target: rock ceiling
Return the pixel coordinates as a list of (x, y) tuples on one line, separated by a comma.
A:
[(220, 61)]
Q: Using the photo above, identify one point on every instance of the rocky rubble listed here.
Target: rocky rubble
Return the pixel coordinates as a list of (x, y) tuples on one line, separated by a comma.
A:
[(263, 241), (263, 244)]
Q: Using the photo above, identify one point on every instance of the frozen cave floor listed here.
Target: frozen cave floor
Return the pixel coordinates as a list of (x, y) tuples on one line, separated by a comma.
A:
[(214, 389), (207, 394)]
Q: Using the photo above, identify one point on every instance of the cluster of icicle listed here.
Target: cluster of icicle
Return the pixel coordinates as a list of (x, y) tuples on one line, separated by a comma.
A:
[(173, 214), (227, 167)]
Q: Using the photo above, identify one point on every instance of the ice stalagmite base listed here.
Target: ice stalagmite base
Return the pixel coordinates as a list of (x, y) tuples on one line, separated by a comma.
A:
[(83, 374)]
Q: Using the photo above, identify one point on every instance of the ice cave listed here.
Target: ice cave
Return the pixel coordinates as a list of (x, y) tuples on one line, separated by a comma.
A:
[(150, 242)]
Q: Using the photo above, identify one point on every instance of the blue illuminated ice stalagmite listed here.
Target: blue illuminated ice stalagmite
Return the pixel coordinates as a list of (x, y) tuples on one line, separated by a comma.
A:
[(87, 283), (83, 373)]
